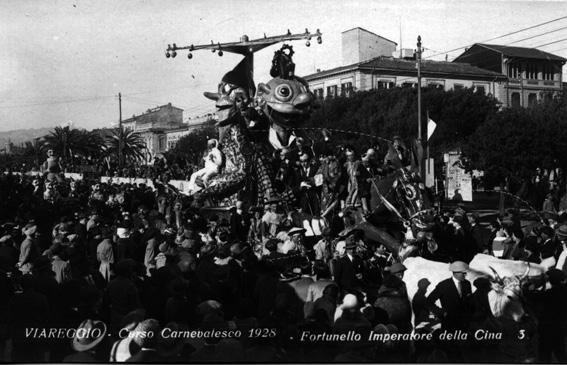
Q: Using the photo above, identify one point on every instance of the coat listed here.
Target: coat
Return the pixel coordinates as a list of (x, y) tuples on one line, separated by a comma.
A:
[(453, 311), (345, 272)]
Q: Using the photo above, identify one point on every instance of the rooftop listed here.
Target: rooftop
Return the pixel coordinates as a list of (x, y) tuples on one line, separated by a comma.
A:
[(409, 66), (520, 52)]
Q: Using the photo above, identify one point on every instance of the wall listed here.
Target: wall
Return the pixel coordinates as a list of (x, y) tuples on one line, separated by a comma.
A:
[(359, 45)]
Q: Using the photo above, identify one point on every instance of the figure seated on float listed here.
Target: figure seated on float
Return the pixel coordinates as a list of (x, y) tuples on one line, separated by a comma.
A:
[(213, 162), (52, 167)]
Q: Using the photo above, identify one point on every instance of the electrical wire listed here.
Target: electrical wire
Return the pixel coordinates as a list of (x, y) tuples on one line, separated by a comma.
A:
[(502, 36), (547, 44)]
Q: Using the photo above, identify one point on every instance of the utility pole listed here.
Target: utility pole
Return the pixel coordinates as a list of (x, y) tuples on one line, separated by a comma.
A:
[(120, 135), (419, 134)]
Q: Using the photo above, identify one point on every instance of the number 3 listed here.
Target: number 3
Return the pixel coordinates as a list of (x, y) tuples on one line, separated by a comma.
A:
[(522, 334)]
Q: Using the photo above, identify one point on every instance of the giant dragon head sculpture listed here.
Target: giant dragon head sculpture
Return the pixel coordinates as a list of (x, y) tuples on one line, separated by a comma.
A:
[(235, 92)]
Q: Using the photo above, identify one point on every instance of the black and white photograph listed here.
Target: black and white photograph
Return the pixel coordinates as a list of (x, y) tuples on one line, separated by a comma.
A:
[(246, 181)]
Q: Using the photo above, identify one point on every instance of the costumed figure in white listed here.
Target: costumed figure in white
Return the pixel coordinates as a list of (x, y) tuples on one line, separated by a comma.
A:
[(213, 163)]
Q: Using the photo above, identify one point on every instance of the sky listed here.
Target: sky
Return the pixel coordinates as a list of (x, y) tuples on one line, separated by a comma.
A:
[(67, 60)]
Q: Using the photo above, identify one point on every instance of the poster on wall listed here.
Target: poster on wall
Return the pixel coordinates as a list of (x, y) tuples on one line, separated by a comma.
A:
[(459, 182)]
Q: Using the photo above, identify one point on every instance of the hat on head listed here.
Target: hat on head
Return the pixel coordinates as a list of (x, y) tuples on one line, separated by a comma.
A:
[(295, 230), (148, 327), (89, 334), (561, 232), (349, 301), (123, 349), (458, 266), (122, 232), (396, 268)]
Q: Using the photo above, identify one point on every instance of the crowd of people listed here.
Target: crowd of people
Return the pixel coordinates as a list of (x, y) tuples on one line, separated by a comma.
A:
[(120, 260)]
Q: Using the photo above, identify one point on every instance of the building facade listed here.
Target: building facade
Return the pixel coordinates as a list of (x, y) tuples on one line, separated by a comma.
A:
[(515, 76), (532, 75), (162, 117), (388, 72), (372, 62), (163, 126)]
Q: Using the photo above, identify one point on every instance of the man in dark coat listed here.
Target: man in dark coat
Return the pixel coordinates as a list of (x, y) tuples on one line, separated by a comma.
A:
[(480, 234), (452, 293), (309, 197), (348, 268), (239, 222)]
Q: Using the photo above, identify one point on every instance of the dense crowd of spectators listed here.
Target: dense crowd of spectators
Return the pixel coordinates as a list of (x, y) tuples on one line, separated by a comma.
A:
[(130, 259)]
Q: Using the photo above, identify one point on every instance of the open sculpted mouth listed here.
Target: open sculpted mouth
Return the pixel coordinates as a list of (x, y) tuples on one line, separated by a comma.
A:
[(291, 119)]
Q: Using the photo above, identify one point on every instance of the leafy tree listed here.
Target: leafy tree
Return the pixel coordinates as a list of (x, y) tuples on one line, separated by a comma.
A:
[(190, 148), (386, 113), (515, 142)]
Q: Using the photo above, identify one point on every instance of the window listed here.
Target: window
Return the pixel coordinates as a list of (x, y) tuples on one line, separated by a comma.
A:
[(481, 89), (547, 72), (409, 84), (532, 99), (318, 93), (385, 84), (346, 89), (516, 100), (514, 71), (161, 143), (331, 91), (531, 71), (435, 85)]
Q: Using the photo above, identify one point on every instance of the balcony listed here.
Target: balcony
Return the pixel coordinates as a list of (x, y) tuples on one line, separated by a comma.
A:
[(544, 84)]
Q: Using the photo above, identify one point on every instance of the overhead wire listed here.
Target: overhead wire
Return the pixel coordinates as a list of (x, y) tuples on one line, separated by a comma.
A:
[(501, 36)]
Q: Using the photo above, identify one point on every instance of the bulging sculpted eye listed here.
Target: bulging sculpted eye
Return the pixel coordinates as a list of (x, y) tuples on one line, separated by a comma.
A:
[(226, 88), (284, 92)]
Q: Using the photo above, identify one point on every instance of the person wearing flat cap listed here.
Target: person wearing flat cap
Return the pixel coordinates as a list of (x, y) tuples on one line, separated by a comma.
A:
[(452, 294)]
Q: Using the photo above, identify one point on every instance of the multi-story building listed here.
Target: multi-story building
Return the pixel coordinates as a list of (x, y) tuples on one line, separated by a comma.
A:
[(372, 62), (152, 126), (515, 76), (532, 75), (163, 117), (163, 126), (191, 125)]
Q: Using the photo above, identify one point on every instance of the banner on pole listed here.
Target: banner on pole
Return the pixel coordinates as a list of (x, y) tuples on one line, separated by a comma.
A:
[(458, 181), (431, 125)]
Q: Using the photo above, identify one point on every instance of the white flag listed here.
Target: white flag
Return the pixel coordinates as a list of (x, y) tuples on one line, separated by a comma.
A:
[(431, 125)]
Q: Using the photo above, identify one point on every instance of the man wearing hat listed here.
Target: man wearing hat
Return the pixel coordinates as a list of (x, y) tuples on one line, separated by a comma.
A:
[(239, 222), (87, 337), (306, 172), (452, 294), (348, 268), (294, 242)]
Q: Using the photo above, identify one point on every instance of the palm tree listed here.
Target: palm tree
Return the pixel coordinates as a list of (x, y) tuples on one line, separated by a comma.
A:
[(69, 143), (132, 144)]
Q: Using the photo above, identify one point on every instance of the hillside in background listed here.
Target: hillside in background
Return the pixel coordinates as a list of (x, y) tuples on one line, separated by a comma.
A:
[(22, 135)]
